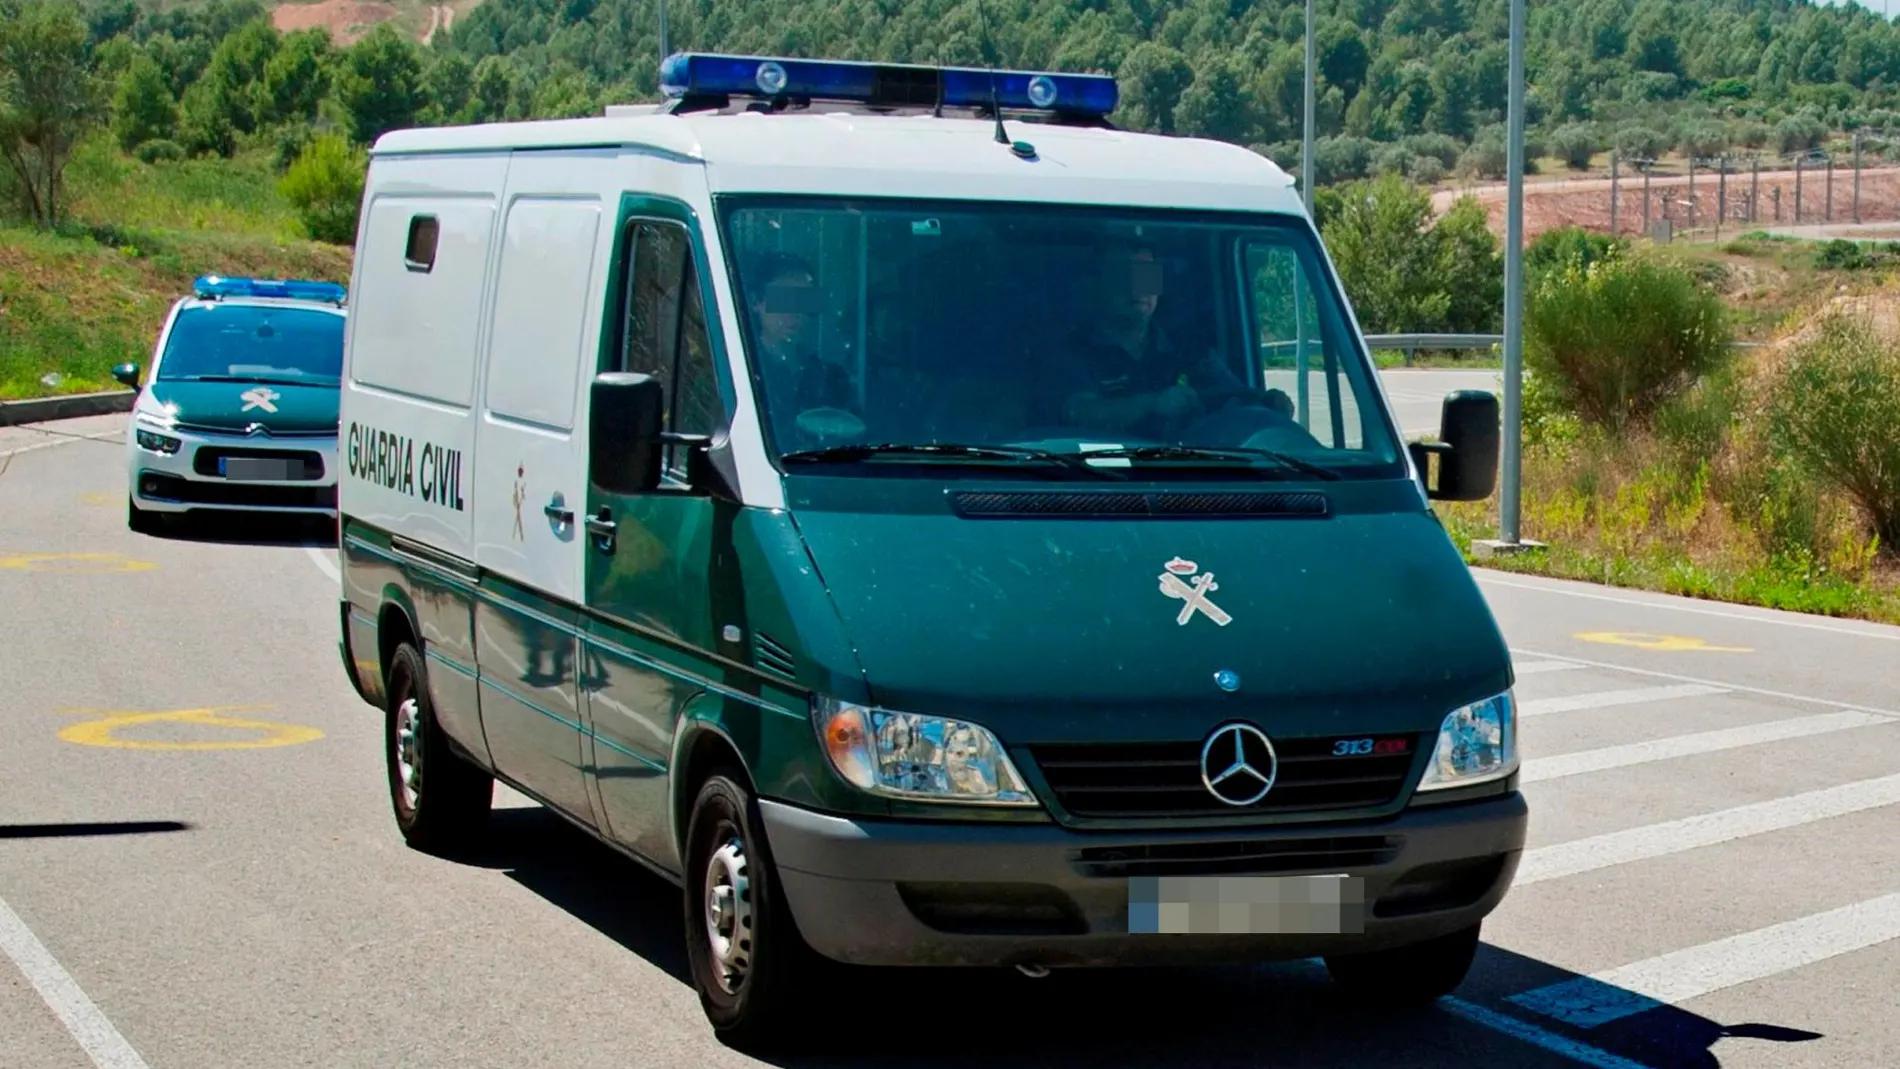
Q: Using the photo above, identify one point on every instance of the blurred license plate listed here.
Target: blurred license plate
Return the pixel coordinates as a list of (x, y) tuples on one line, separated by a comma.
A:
[(1246, 905), (253, 468)]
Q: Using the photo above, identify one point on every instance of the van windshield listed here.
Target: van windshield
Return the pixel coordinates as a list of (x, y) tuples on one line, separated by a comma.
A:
[(1179, 343), (255, 343)]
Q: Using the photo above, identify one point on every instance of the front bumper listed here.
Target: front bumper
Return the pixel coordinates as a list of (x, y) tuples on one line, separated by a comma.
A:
[(188, 478), (893, 893)]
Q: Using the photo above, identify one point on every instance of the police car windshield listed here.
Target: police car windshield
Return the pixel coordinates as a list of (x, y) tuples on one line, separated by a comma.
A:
[(1218, 338), (255, 343)]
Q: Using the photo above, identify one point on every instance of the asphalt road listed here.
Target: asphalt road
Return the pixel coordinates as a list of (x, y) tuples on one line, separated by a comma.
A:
[(1713, 879)]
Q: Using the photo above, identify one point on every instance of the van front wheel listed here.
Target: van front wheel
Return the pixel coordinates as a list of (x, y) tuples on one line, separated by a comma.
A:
[(441, 799), (1407, 975), (748, 961)]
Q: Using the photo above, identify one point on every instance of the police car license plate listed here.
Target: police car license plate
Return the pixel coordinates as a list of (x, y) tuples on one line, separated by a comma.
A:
[(256, 468), (1246, 905)]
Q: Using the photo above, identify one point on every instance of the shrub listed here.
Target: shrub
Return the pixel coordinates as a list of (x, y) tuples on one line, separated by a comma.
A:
[(1575, 144), (1558, 248), (160, 150), (326, 187), (1620, 337), (1834, 408)]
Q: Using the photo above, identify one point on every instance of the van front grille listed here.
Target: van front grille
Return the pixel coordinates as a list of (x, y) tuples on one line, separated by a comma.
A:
[(1245, 857), (1162, 780)]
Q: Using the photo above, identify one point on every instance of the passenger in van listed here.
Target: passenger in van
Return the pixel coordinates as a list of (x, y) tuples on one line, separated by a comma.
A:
[(1137, 378), (784, 310)]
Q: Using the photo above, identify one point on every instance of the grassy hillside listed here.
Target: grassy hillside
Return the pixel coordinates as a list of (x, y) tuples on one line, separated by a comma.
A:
[(76, 301)]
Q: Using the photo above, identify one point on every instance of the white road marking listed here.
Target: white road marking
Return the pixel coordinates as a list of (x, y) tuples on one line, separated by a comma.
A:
[(1482, 576), (1604, 699), (1636, 753), (322, 557), (1674, 978), (1314, 970), (1537, 668), (101, 1042), (101, 437), (1706, 829), (1718, 684), (1530, 1033)]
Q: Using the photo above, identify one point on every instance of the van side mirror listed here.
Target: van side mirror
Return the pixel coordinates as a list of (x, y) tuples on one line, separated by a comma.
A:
[(127, 374), (1468, 445), (625, 416)]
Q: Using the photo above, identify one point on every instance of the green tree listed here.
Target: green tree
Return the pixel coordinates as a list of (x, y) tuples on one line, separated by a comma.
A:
[(379, 83), (1378, 241), (143, 110), (49, 99), (297, 77), (325, 185)]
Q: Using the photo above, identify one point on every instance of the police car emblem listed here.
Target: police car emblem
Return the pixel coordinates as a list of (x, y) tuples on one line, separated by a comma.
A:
[(1193, 593), (259, 397)]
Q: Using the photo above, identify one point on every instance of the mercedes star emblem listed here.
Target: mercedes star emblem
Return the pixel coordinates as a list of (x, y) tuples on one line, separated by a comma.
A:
[(1238, 764)]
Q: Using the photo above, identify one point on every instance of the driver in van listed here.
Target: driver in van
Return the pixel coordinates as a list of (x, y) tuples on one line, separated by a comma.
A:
[(1137, 379), (785, 306)]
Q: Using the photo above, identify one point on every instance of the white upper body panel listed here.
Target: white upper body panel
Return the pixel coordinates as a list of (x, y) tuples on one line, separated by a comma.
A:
[(879, 155)]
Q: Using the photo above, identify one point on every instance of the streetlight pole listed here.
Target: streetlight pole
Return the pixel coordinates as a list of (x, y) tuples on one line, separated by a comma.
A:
[(1510, 472), (1306, 132)]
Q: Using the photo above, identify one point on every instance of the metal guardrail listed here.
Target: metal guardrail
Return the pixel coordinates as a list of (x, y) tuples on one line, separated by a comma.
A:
[(1412, 343)]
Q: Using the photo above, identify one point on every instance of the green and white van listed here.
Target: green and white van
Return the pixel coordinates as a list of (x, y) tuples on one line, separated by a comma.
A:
[(928, 524)]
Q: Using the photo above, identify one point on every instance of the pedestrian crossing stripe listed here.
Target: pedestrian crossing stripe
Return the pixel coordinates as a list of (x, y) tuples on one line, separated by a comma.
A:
[(1674, 978)]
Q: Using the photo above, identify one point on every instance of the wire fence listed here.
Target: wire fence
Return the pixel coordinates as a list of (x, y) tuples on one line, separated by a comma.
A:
[(1746, 191)]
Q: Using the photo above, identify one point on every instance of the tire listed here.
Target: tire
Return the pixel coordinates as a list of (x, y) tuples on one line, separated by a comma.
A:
[(758, 1004), (442, 802), (1407, 975)]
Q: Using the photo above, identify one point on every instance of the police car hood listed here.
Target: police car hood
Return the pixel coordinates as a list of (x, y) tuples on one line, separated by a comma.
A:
[(1062, 627), (235, 406)]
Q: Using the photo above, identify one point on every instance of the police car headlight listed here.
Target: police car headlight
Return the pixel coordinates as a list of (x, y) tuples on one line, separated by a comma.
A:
[(156, 442), (916, 757), (1476, 744)]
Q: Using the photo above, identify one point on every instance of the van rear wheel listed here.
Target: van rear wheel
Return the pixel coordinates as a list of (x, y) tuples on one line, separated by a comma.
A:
[(749, 963), (1407, 975), (441, 799)]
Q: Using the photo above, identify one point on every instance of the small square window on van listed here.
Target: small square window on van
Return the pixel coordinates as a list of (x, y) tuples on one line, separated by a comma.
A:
[(420, 253)]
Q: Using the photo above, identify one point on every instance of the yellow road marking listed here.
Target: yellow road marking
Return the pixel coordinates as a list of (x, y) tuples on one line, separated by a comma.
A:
[(101, 497), (103, 728), (1645, 641), (74, 562)]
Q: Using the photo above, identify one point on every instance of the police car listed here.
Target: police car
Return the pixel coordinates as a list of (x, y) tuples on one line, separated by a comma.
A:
[(239, 413), (875, 498)]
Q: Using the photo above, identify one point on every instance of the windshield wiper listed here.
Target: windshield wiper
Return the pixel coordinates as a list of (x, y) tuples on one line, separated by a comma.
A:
[(1019, 454), (1239, 454), (269, 380)]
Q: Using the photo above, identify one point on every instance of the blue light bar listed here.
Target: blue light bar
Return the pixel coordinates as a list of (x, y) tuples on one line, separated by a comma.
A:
[(212, 287), (701, 74)]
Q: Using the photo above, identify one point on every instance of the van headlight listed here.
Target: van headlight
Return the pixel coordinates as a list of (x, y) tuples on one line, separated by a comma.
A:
[(917, 757), (1476, 744)]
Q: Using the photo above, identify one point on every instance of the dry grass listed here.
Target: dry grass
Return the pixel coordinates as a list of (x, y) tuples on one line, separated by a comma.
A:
[(1696, 504)]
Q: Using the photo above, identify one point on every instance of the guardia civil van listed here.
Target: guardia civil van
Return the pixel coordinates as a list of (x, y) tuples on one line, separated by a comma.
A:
[(930, 525), (239, 413)]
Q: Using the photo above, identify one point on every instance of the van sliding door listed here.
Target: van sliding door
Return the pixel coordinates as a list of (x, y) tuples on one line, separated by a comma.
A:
[(531, 479)]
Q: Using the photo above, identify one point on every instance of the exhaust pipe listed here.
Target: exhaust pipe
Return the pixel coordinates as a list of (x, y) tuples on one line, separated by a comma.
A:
[(1034, 972)]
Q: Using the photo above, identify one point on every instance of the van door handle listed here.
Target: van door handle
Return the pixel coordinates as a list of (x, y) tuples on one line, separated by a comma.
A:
[(558, 514), (602, 527)]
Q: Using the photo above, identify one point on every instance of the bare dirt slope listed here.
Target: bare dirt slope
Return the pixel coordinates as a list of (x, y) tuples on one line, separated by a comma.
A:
[(346, 20)]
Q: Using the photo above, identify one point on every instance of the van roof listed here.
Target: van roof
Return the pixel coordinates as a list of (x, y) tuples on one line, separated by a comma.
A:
[(867, 154)]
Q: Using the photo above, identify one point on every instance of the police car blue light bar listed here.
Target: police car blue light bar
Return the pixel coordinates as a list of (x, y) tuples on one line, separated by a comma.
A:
[(212, 287), (693, 74)]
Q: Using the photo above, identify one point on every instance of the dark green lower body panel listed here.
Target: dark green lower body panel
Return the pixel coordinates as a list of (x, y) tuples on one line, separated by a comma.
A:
[(893, 893)]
